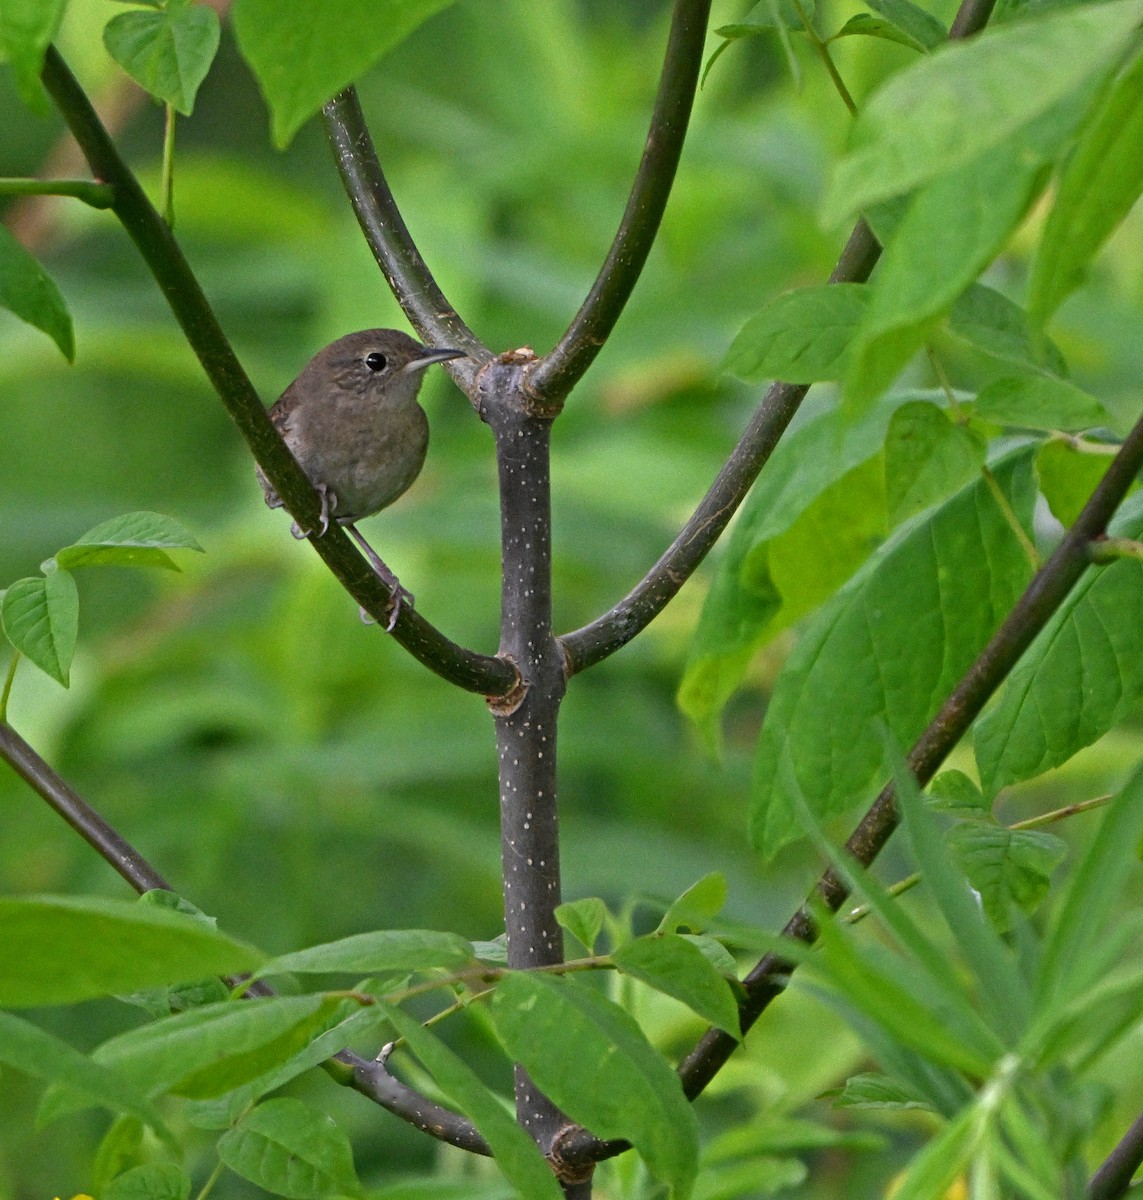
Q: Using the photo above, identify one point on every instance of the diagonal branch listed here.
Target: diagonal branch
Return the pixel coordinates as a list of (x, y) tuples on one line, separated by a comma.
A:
[(410, 279), (370, 1078), (151, 235), (1114, 1175), (610, 632), (558, 372)]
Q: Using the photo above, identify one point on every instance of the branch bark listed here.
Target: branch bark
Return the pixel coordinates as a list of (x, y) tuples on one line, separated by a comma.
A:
[(159, 250), (554, 376)]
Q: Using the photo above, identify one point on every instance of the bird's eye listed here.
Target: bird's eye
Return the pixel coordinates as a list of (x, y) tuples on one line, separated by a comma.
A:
[(376, 361)]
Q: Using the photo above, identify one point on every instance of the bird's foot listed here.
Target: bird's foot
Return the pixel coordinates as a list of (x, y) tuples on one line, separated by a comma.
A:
[(328, 504), (400, 595)]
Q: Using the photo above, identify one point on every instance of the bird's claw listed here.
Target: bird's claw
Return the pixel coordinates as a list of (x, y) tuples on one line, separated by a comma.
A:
[(397, 601), (328, 504)]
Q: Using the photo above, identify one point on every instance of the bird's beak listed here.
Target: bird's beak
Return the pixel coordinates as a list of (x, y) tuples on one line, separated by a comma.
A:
[(431, 355)]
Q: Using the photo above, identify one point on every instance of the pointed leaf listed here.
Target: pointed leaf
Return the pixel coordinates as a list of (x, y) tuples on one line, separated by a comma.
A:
[(694, 909), (41, 619), (962, 100), (675, 967), (60, 949), (136, 539), (866, 25), (1010, 870), (302, 54), (996, 326), (1039, 402), (153, 1181), (515, 1152), (593, 1060), (292, 1150), (28, 291), (889, 647), (927, 458), (583, 919), (1068, 477), (167, 52), (922, 27), (378, 952), (873, 1090)]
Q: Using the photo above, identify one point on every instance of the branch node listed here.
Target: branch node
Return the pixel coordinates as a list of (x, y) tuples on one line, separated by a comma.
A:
[(507, 704), (568, 1171)]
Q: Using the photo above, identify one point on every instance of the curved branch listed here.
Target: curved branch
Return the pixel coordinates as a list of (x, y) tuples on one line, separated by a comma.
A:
[(608, 633), (410, 279), (557, 373), (151, 235), (1114, 1175)]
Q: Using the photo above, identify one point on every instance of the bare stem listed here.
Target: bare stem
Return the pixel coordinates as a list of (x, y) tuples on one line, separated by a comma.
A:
[(97, 195), (1107, 550), (554, 376), (167, 182)]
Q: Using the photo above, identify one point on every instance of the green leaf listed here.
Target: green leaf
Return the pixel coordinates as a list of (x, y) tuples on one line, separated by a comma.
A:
[(964, 99), (154, 1181), (953, 792), (1010, 870), (672, 965), (302, 54), (515, 1152), (1100, 182), (800, 337), (1039, 402), (570, 1039), (888, 648), (927, 457), (583, 919), (167, 52), (874, 1090), (291, 1150), (29, 1049), (921, 27), (1068, 477), (1080, 677), (118, 1149), (41, 619), (381, 951), (994, 325), (932, 1173), (136, 539), (60, 949), (865, 25), (695, 908), (27, 28), (27, 291)]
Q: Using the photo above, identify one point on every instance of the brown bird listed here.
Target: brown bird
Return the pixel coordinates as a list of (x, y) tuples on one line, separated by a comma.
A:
[(352, 421)]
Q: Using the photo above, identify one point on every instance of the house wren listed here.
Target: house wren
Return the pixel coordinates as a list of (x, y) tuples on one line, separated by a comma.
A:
[(352, 421)]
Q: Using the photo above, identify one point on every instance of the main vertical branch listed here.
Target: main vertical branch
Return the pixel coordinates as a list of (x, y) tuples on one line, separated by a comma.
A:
[(526, 721)]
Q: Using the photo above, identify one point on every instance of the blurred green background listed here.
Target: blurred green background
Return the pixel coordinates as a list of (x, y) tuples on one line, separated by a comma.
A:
[(293, 772)]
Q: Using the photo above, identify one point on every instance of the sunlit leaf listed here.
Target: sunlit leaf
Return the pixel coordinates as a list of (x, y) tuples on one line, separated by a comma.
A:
[(694, 909), (1039, 402), (137, 539), (674, 966), (380, 951), (583, 919), (41, 619)]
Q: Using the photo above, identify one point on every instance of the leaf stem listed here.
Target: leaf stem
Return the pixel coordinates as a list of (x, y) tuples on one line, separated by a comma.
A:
[(827, 58), (1109, 549), (9, 679), (1005, 506), (97, 195), (213, 1178), (167, 182)]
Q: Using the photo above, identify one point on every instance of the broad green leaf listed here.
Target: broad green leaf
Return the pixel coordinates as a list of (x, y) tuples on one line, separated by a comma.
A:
[(41, 619), (37, 1053), (594, 1061), (153, 1181), (292, 1150), (950, 230), (380, 951), (714, 952), (27, 28), (583, 919), (167, 52), (302, 54), (953, 792), (118, 1149), (964, 99), (867, 25), (1068, 477), (920, 26), (697, 906), (1010, 870), (1080, 677), (60, 949), (1039, 402), (888, 648), (27, 291), (996, 326), (927, 458), (672, 965), (136, 539), (515, 1152), (873, 1090), (800, 337), (816, 513), (1099, 184)]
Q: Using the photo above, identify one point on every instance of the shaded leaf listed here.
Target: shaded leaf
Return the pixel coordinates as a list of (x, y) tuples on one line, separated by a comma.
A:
[(153, 1181), (695, 908), (995, 325), (41, 619), (1009, 869), (136, 539), (583, 919), (380, 951), (302, 54), (27, 28), (924, 29), (291, 1150), (27, 291), (873, 1090), (593, 1060), (672, 965), (167, 52), (953, 792), (867, 25), (60, 949), (888, 648), (1039, 402), (927, 458), (964, 99)]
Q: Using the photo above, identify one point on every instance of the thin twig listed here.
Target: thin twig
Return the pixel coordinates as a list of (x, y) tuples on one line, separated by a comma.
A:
[(410, 279), (97, 195), (1115, 1173), (474, 672), (827, 59), (1011, 519), (1107, 550), (554, 375)]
